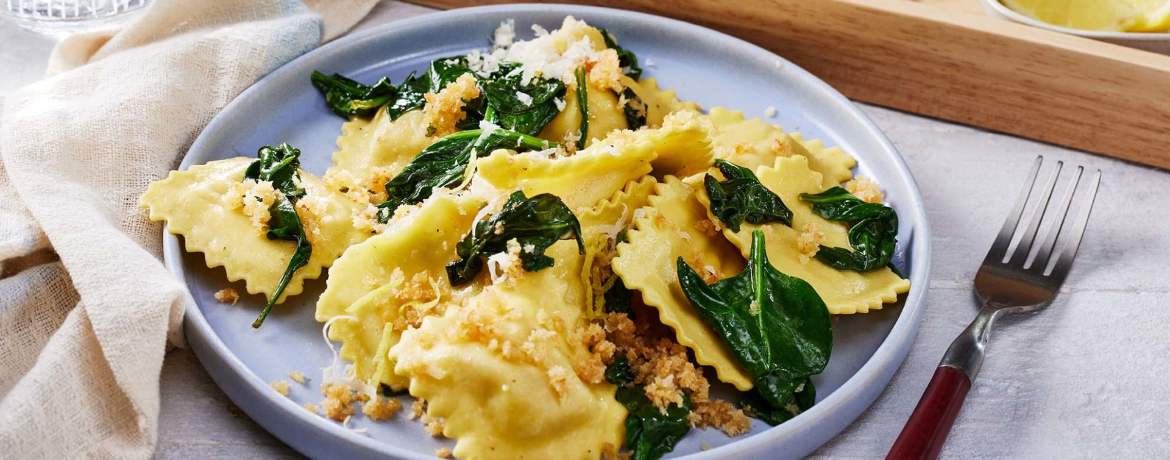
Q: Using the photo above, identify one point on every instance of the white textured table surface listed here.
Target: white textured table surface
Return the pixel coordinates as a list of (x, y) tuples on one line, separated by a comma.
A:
[(1084, 379)]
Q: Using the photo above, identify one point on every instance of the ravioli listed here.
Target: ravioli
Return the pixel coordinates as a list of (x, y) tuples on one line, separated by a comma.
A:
[(754, 143), (843, 291), (192, 204), (659, 102), (676, 224), (373, 151), (420, 242), (499, 371), (604, 116), (584, 179)]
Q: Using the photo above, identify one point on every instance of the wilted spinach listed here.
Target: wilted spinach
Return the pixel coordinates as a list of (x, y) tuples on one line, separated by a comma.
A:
[(617, 297), (775, 325), (536, 223), (411, 96), (634, 109), (279, 166), (347, 97), (526, 114), (443, 163), (650, 432), (873, 233), (626, 58), (582, 105), (743, 198), (805, 395)]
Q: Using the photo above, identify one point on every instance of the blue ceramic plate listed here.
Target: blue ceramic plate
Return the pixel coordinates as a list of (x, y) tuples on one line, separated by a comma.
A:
[(702, 65)]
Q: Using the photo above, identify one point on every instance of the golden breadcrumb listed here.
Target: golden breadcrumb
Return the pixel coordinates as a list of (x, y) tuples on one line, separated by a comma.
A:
[(297, 376), (227, 295), (708, 227), (610, 452), (558, 377), (865, 189), (719, 414), (661, 364), (417, 409), (443, 452), (809, 242), (311, 407), (381, 408), (445, 109), (281, 386), (433, 425), (254, 198), (339, 399), (705, 446), (605, 72), (782, 147), (601, 353)]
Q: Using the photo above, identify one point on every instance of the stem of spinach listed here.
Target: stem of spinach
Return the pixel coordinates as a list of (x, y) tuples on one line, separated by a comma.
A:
[(582, 105)]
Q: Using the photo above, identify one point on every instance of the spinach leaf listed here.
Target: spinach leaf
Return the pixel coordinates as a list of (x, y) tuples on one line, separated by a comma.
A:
[(617, 297), (347, 97), (582, 106), (411, 96), (743, 198), (634, 109), (650, 432), (536, 223), (775, 325), (443, 163), (526, 114), (803, 397), (873, 233), (279, 166), (443, 72), (626, 58)]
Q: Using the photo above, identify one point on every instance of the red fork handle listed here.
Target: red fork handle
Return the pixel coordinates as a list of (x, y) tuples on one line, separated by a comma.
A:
[(923, 436)]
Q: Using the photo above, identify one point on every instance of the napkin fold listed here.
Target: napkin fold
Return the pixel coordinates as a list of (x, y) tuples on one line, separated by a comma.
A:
[(87, 309)]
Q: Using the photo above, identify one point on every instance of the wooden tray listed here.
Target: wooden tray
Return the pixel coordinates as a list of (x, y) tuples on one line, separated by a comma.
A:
[(946, 59)]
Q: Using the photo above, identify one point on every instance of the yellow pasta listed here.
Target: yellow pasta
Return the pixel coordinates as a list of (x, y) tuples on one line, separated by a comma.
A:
[(373, 151), (843, 291), (754, 143), (499, 371), (422, 242), (192, 202), (675, 225), (597, 172), (604, 116)]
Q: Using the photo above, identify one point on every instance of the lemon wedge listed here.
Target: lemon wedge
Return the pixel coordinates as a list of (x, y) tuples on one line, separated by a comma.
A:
[(1099, 15), (1155, 17)]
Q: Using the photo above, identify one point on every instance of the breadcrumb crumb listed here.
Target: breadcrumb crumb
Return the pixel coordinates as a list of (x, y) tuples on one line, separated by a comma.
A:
[(720, 414), (606, 71), (865, 189), (705, 446), (311, 407), (443, 452), (661, 364), (254, 198), (809, 242), (339, 399), (281, 386), (610, 452), (445, 109), (381, 408), (417, 409), (297, 376), (227, 295)]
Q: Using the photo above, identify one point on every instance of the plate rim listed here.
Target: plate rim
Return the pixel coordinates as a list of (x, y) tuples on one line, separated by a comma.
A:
[(304, 431)]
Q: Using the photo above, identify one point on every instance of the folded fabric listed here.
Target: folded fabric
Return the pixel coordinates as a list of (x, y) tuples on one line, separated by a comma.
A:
[(87, 309)]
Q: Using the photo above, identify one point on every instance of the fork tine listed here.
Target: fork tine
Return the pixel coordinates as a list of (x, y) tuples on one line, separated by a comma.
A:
[(1029, 235), (1004, 238), (1040, 262), (1069, 250)]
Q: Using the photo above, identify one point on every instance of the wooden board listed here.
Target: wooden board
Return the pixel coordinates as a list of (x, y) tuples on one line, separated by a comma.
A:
[(942, 58)]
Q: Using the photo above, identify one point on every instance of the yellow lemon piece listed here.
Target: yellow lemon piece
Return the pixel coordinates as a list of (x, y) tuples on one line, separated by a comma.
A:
[(1155, 15), (1098, 15)]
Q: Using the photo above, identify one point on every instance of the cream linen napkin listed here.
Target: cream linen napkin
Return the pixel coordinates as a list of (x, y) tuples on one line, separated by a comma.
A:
[(82, 338)]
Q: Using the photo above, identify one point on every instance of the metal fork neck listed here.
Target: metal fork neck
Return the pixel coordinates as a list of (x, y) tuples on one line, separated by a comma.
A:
[(966, 352)]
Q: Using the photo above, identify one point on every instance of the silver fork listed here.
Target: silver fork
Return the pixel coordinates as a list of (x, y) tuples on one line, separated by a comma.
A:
[(1009, 281)]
